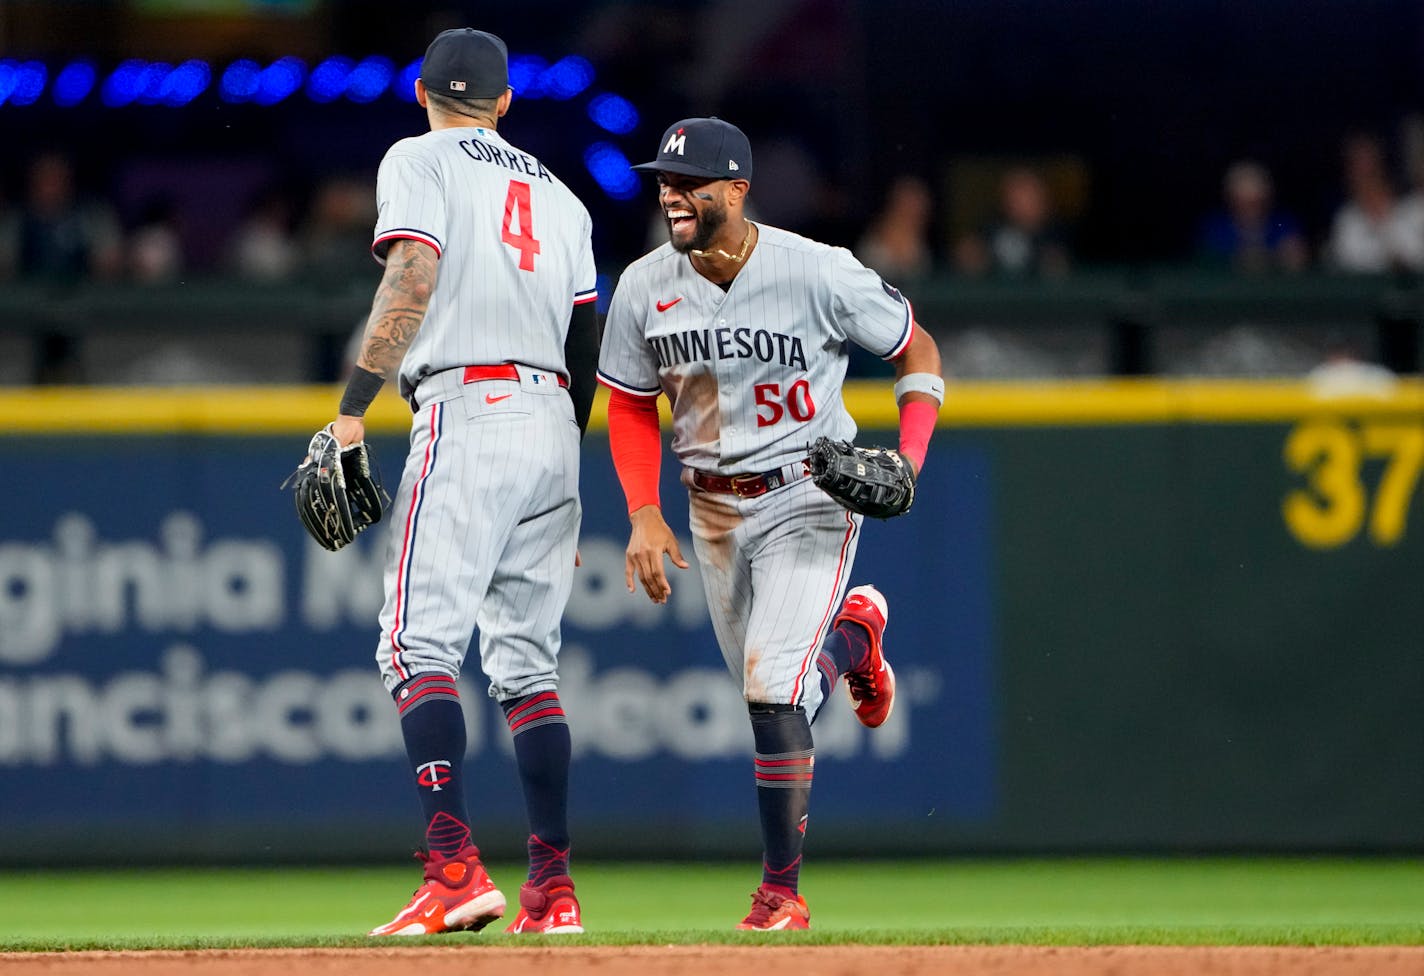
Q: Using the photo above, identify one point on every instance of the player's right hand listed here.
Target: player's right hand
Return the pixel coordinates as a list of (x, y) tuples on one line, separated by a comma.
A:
[(651, 539)]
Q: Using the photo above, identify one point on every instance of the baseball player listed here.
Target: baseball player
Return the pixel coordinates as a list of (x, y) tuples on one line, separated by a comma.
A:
[(486, 315), (743, 326)]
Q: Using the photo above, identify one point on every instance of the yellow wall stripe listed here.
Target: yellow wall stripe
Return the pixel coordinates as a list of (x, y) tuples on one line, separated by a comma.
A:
[(295, 410)]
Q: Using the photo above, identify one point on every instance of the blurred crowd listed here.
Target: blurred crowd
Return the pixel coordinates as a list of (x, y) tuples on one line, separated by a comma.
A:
[(990, 220), (56, 231), (1376, 225), (922, 225)]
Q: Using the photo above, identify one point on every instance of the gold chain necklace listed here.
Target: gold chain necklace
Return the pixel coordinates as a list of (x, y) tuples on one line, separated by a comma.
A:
[(738, 257)]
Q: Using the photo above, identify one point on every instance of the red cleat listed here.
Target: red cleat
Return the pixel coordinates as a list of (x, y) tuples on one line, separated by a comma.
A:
[(551, 908), (773, 911), (872, 687), (457, 895)]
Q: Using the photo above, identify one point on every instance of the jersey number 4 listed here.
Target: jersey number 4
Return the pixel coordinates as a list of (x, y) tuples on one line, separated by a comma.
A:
[(517, 210)]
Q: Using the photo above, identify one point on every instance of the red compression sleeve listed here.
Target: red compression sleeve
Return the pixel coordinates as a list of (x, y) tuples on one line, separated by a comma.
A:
[(917, 421), (637, 446)]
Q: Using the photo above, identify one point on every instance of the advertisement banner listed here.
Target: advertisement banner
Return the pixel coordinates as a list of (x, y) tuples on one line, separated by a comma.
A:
[(1124, 617), (177, 659)]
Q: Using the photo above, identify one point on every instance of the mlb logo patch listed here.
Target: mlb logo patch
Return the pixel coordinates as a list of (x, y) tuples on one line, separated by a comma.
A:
[(457, 86)]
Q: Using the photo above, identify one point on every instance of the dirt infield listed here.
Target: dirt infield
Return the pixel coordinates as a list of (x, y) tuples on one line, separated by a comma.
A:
[(683, 960)]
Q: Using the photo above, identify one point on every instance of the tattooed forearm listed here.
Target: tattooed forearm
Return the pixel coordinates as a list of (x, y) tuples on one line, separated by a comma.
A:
[(399, 306)]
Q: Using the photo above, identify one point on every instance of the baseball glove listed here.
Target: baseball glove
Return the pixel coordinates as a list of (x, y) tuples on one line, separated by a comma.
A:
[(873, 481), (338, 490)]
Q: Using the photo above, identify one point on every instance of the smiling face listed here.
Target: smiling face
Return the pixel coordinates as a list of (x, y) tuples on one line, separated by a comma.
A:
[(694, 208)]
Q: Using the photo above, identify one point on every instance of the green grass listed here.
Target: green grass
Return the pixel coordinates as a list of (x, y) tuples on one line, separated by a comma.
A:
[(1320, 901)]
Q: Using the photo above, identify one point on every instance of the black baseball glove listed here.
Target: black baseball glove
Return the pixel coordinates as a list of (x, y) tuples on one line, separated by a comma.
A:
[(338, 490), (874, 481)]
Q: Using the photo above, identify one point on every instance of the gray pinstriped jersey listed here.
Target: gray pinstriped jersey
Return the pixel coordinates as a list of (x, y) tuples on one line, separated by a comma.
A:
[(515, 249), (754, 373)]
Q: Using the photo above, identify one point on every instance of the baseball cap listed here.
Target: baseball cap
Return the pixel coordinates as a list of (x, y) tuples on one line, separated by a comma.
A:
[(704, 147), (466, 63)]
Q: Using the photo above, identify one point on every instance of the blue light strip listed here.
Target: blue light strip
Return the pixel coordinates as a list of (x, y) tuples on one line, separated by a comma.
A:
[(611, 170), (239, 81), (74, 83), (244, 81), (613, 113), (328, 80)]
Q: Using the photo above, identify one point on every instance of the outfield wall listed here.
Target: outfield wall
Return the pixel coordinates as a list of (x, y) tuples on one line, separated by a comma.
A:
[(1125, 616)]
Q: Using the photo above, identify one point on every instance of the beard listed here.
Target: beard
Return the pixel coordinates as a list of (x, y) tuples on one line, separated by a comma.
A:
[(709, 222)]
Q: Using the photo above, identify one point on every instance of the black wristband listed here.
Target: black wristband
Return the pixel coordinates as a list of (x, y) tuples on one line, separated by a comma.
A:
[(361, 389)]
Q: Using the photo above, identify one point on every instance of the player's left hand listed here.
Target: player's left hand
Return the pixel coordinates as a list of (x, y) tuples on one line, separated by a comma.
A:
[(651, 539), (348, 430), (337, 488)]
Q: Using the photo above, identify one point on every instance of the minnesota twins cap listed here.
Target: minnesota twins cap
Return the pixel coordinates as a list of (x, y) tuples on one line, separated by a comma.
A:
[(466, 63), (704, 147)]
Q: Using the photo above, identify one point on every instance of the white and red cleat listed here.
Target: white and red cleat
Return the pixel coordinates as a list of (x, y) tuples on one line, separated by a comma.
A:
[(773, 911), (457, 895), (551, 908), (872, 686)]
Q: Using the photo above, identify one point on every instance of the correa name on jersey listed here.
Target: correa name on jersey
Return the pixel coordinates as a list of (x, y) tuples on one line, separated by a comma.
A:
[(508, 158), (729, 343)]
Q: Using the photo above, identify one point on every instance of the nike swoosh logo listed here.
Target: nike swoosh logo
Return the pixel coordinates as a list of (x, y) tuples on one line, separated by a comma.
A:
[(411, 909), (491, 398), (664, 306)]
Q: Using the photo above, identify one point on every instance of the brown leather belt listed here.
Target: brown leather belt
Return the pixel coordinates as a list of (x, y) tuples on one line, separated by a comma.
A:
[(503, 371), (750, 485)]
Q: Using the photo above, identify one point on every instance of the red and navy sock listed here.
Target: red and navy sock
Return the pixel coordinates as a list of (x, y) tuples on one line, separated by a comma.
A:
[(785, 756), (433, 725), (843, 650), (541, 750)]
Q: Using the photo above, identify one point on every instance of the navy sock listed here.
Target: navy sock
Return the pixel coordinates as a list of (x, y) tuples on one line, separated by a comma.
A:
[(433, 725), (541, 750), (845, 647), (785, 756)]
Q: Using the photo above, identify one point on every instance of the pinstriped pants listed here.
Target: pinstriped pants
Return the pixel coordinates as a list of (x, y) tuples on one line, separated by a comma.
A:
[(775, 569), (485, 529)]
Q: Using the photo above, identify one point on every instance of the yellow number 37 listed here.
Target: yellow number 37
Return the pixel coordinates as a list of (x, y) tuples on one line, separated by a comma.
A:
[(1331, 508)]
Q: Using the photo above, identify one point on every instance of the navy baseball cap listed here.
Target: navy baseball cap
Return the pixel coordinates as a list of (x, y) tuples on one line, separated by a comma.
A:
[(704, 147), (466, 63)]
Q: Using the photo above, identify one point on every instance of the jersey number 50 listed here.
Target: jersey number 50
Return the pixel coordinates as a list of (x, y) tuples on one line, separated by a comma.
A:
[(798, 403), (516, 207)]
